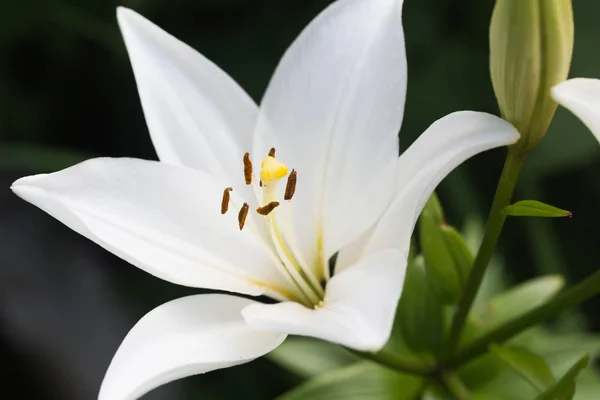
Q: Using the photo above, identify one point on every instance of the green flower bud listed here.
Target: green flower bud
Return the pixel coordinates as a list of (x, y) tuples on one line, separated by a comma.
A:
[(531, 44)]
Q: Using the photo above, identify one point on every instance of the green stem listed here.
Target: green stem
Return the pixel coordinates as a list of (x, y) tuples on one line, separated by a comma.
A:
[(396, 362), (455, 387), (568, 298), (508, 179)]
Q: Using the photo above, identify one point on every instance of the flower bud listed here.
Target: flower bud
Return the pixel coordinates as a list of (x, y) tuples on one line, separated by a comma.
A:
[(531, 44)]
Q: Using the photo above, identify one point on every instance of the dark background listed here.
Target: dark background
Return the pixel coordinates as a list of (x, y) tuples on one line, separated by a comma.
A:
[(67, 93)]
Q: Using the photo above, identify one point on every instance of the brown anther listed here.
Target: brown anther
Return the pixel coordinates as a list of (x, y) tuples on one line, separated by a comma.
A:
[(247, 169), (266, 210), (272, 152), (290, 187), (260, 183), (242, 215), (225, 201)]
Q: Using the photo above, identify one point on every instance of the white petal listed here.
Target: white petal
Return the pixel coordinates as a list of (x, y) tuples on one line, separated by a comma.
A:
[(333, 111), (184, 337), (582, 97), (162, 218), (359, 308), (446, 144), (197, 115)]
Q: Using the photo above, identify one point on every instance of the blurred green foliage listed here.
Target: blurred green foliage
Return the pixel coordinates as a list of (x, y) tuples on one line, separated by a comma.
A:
[(540, 363), (67, 93)]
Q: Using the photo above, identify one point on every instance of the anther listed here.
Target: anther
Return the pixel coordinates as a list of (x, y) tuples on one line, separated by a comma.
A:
[(247, 168), (260, 183), (266, 210), (225, 201), (272, 152), (290, 187), (242, 215)]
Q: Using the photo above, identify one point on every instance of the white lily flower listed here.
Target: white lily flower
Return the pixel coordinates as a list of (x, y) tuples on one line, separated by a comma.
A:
[(582, 97), (332, 112)]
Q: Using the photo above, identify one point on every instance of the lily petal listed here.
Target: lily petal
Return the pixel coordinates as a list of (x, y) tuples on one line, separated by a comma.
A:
[(333, 111), (446, 144), (197, 115), (359, 307), (184, 337), (582, 97), (162, 218)]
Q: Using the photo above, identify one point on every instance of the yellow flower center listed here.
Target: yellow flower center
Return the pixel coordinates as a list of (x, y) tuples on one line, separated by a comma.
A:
[(276, 212), (272, 170)]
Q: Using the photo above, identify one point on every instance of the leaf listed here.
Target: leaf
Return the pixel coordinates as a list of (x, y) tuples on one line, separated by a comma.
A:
[(560, 350), (534, 208), (480, 371), (307, 357), (434, 208), (505, 386), (484, 396), (526, 363), (419, 316), (361, 381), (442, 274), (515, 302), (462, 256), (588, 385), (564, 389)]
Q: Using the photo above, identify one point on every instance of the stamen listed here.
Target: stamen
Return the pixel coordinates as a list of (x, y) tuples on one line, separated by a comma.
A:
[(266, 210), (290, 187), (272, 152), (242, 215), (260, 183), (247, 168), (225, 201)]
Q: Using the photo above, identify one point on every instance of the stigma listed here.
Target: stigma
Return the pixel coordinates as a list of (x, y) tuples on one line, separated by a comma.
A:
[(272, 170)]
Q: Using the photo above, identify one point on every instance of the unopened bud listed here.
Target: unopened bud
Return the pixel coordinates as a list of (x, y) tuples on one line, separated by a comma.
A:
[(531, 45)]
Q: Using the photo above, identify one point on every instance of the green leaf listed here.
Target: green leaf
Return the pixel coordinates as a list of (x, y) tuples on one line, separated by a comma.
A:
[(484, 396), (462, 256), (480, 371), (534, 208), (362, 381), (307, 357), (420, 315), (516, 301), (588, 385), (526, 363), (564, 389), (434, 208), (560, 350), (442, 274)]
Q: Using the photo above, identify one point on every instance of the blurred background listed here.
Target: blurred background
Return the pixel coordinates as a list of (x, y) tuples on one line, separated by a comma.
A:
[(67, 93)]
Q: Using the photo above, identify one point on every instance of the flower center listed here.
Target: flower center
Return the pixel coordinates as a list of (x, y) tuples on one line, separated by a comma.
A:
[(276, 211)]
